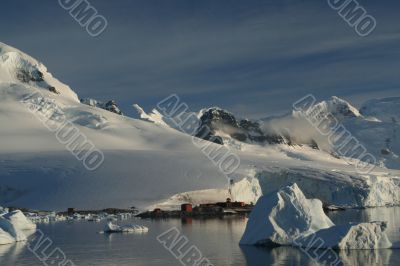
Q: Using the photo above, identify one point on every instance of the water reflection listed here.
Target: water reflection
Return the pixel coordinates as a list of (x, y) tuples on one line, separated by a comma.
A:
[(259, 256), (4, 249), (187, 220), (11, 252), (366, 257)]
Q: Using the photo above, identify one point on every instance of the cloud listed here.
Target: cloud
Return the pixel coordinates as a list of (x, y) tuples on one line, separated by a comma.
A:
[(256, 57)]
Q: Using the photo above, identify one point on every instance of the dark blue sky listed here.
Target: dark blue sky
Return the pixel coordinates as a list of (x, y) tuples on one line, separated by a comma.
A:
[(252, 57)]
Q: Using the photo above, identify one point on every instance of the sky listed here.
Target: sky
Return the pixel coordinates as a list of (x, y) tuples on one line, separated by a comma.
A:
[(251, 57)]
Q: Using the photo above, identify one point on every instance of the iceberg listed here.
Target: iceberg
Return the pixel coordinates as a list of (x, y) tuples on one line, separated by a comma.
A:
[(19, 220), (15, 227), (8, 227), (280, 217), (349, 236), (287, 217)]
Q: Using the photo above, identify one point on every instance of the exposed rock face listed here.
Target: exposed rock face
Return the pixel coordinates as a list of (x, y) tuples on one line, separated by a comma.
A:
[(26, 76), (112, 107), (216, 123), (343, 108), (109, 106), (53, 90)]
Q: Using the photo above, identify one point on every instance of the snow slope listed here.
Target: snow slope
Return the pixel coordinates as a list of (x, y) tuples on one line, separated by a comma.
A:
[(143, 163), (384, 110), (146, 164)]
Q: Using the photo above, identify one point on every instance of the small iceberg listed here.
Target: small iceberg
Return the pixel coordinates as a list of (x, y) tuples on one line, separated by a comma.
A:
[(114, 228), (287, 217)]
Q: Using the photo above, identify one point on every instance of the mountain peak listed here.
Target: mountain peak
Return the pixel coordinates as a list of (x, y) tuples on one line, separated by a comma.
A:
[(339, 108), (19, 68), (223, 124)]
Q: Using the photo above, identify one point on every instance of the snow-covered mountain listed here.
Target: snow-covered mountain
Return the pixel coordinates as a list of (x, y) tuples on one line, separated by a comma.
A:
[(17, 67), (148, 162), (222, 125), (378, 131)]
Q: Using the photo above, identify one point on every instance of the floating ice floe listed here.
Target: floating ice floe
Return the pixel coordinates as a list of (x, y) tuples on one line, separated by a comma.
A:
[(287, 217), (113, 228)]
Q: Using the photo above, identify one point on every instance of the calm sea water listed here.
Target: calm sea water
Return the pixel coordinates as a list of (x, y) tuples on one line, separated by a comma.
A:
[(217, 239)]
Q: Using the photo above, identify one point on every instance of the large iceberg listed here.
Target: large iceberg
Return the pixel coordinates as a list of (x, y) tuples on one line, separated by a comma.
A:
[(280, 217), (287, 217)]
